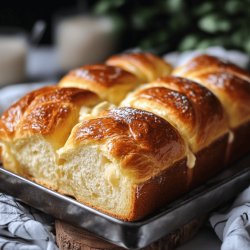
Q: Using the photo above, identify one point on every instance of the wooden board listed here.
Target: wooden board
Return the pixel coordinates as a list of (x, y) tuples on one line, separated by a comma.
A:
[(70, 237)]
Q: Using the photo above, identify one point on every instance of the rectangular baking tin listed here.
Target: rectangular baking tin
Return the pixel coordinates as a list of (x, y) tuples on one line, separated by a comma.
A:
[(132, 235)]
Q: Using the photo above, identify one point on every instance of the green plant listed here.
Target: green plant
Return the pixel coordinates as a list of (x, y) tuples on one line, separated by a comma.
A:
[(165, 25)]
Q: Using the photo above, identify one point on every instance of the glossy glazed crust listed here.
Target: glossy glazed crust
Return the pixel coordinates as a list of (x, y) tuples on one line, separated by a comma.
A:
[(154, 194), (15, 112), (188, 106), (146, 66), (228, 82), (143, 143), (210, 64), (43, 110), (101, 79)]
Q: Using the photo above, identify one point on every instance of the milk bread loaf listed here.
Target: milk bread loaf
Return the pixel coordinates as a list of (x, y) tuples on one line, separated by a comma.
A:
[(166, 135)]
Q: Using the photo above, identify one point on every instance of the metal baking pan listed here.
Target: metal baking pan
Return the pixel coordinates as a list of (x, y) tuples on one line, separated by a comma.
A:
[(215, 192)]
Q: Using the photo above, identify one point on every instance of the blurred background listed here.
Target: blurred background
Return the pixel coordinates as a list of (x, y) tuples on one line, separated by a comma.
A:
[(41, 40)]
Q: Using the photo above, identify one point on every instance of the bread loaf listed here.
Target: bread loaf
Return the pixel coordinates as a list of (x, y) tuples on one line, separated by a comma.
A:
[(130, 158), (231, 85), (196, 113), (166, 135)]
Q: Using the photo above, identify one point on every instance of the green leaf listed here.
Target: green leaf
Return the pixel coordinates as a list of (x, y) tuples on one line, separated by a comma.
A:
[(238, 37), (174, 5), (119, 23), (234, 6), (189, 42), (247, 45), (204, 8), (204, 44), (146, 43), (142, 18), (104, 6), (212, 23)]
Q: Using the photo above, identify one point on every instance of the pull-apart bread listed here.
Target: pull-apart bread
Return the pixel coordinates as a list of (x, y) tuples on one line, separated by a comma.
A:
[(126, 137), (196, 113), (231, 85)]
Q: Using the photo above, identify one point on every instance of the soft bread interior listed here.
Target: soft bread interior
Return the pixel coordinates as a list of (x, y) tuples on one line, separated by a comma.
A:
[(8, 158), (36, 159), (42, 129), (95, 179)]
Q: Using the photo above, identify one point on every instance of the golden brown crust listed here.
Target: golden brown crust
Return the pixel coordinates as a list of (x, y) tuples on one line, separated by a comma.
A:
[(155, 193), (240, 146), (228, 82), (103, 75), (42, 110), (211, 120), (233, 92), (170, 99), (210, 161), (188, 106), (143, 143), (210, 64), (145, 66), (12, 115), (101, 79)]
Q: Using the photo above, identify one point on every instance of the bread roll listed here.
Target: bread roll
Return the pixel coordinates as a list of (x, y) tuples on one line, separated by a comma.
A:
[(195, 112), (146, 66), (108, 82), (231, 85), (210, 64), (126, 163), (36, 126)]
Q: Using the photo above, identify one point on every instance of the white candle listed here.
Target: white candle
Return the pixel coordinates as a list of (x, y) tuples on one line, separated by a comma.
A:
[(13, 53), (84, 40)]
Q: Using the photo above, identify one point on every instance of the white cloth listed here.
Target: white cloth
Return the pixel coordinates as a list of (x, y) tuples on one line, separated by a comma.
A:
[(233, 225), (24, 228)]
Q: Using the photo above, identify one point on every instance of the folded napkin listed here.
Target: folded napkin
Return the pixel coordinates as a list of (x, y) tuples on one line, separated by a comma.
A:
[(233, 225), (24, 228)]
